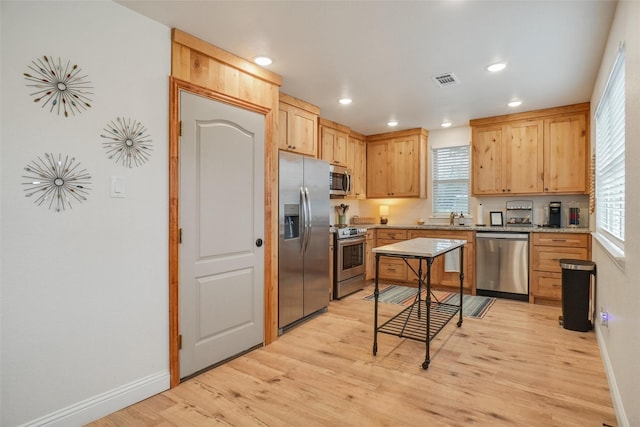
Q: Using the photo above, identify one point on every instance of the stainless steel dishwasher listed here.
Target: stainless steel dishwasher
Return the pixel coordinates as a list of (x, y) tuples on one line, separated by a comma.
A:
[(502, 264)]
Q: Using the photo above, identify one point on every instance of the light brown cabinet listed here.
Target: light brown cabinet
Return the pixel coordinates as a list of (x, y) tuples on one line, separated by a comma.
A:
[(369, 244), (357, 163), (566, 154), (396, 270), (297, 126), (508, 158), (547, 249), (392, 269), (451, 279), (538, 152), (334, 138), (397, 164)]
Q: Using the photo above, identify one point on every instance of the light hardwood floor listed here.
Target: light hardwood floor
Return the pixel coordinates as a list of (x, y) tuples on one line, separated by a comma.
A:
[(515, 367)]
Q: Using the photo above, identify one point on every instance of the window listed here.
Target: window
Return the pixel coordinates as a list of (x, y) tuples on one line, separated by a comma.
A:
[(610, 157), (450, 168)]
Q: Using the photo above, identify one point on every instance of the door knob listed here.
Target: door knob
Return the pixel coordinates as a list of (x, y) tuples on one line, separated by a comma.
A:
[(259, 242)]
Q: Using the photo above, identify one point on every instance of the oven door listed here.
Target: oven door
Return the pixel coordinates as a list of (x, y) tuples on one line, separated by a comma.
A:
[(350, 258)]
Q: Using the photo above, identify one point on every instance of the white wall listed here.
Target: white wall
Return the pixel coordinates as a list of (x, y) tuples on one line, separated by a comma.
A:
[(619, 289), (83, 292)]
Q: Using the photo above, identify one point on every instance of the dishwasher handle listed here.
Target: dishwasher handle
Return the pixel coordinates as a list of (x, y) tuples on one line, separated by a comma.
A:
[(503, 236)]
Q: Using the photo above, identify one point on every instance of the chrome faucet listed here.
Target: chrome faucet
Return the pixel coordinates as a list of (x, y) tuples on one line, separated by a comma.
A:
[(452, 217)]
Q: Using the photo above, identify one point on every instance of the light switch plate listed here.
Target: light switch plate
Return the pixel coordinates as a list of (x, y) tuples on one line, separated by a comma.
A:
[(117, 187)]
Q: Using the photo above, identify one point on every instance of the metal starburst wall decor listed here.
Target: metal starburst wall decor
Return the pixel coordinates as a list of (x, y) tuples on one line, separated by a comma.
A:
[(56, 183), (61, 87), (127, 142)]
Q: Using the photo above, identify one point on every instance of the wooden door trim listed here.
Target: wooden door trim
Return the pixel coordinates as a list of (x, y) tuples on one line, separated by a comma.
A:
[(175, 86)]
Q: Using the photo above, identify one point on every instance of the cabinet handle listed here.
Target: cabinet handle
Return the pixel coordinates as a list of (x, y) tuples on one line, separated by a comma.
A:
[(558, 240), (546, 189)]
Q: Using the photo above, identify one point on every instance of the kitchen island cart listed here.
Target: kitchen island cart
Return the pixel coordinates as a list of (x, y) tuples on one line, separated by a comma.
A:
[(411, 322)]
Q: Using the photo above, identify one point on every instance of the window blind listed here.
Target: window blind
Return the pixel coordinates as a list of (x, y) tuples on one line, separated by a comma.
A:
[(451, 166), (610, 156)]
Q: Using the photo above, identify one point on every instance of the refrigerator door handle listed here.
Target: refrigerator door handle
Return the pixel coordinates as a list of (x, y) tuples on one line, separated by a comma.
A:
[(303, 212), (307, 218)]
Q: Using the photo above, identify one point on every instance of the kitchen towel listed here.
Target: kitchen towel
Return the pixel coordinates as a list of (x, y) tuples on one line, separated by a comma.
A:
[(452, 261)]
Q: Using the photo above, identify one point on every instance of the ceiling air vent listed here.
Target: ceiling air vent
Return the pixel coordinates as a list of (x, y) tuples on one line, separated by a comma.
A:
[(447, 79)]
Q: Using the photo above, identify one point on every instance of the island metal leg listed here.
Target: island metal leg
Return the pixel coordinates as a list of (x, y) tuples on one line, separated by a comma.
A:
[(461, 283), (427, 358), (375, 310)]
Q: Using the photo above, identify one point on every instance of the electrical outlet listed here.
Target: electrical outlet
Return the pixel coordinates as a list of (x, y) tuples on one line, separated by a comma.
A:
[(604, 318)]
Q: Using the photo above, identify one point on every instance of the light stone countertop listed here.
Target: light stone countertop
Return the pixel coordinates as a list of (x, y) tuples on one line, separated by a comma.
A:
[(533, 229)]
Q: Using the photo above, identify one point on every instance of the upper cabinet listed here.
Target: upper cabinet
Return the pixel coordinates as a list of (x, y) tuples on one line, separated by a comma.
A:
[(298, 126), (334, 138), (566, 154), (397, 164), (357, 163), (538, 152)]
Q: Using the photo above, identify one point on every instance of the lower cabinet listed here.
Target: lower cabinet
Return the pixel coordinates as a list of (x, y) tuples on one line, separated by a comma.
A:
[(392, 269), (441, 277), (396, 270), (547, 249), (370, 260)]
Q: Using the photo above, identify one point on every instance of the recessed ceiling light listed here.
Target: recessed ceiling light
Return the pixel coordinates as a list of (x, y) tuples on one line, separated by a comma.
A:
[(263, 60), (445, 124), (392, 123), (345, 101), (514, 104), (496, 67)]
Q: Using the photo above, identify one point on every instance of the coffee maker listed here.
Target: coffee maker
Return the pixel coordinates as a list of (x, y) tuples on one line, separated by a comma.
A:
[(555, 213)]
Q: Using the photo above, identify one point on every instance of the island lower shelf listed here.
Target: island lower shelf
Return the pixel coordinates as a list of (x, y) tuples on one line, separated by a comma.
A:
[(411, 322)]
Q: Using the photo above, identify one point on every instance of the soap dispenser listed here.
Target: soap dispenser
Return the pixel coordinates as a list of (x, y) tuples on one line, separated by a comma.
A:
[(461, 220)]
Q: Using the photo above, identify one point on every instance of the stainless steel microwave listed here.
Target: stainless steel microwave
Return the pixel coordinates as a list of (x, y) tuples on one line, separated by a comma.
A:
[(339, 181)]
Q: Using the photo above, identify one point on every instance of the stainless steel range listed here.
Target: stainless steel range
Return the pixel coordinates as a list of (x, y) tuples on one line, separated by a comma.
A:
[(349, 270)]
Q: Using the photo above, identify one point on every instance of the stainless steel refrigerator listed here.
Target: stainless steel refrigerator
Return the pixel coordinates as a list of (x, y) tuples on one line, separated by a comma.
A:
[(303, 251)]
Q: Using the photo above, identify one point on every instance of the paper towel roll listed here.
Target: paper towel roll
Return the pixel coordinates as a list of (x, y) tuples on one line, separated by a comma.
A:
[(480, 215)]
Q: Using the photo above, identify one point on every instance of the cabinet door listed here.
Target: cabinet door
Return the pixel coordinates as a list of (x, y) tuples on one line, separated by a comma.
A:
[(523, 160), (340, 148), (546, 258), (297, 130), (486, 163), (303, 131), (369, 244), (566, 154), (327, 142), (546, 285), (334, 145), (283, 125), (404, 173), (359, 175), (377, 169)]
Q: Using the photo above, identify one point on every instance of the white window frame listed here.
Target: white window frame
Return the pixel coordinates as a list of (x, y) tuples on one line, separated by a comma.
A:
[(459, 152), (610, 162)]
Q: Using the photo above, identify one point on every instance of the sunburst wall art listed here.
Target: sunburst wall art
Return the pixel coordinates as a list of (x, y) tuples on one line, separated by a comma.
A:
[(59, 85), (56, 183), (127, 142)]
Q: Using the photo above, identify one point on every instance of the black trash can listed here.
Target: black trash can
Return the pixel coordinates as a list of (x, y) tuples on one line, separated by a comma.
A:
[(576, 287)]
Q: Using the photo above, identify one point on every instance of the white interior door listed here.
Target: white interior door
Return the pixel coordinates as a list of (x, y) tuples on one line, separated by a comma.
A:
[(222, 217)]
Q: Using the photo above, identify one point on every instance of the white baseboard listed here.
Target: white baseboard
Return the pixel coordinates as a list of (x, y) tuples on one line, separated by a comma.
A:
[(106, 403), (616, 399)]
